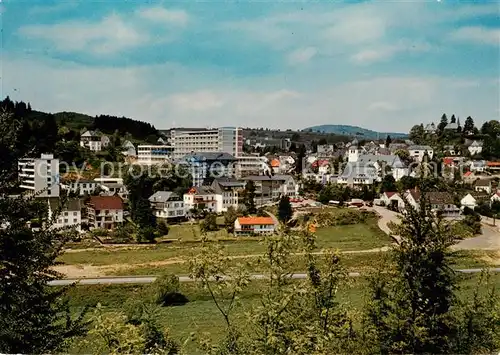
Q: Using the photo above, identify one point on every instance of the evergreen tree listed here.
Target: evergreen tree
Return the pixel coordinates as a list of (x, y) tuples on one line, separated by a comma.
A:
[(388, 184), (285, 212), (468, 126), (443, 123), (453, 119), (299, 162), (388, 141), (249, 197), (33, 315)]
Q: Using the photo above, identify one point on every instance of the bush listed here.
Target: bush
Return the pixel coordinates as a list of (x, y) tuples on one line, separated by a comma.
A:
[(209, 224), (165, 291), (146, 235), (122, 234), (162, 228)]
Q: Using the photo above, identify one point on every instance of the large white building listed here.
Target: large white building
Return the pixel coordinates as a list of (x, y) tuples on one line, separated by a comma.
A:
[(224, 140), (167, 205), (417, 152), (248, 164), (154, 154), (40, 175)]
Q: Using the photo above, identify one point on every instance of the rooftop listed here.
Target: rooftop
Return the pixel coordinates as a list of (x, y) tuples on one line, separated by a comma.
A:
[(106, 202), (256, 221)]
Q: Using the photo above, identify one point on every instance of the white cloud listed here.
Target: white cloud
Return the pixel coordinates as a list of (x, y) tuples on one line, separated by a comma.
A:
[(477, 34), (197, 98), (164, 16), (109, 35), (384, 52), (301, 55)]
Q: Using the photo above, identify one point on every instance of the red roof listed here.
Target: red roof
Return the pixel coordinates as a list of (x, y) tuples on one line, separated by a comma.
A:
[(493, 163), (106, 202), (275, 163), (319, 163), (390, 194), (256, 221), (448, 161), (469, 173)]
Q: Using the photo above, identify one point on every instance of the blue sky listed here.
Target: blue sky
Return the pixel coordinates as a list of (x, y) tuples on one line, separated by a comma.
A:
[(384, 65)]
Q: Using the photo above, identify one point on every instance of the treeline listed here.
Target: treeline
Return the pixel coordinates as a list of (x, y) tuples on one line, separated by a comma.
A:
[(139, 130)]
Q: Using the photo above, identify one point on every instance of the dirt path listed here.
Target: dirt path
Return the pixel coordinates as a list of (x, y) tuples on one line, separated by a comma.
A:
[(90, 271)]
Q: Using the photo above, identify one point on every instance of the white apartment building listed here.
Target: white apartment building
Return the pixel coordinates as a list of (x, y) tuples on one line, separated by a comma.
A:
[(225, 140), (247, 165), (417, 152), (167, 204), (69, 215), (40, 175), (82, 186), (105, 211), (154, 154), (93, 141)]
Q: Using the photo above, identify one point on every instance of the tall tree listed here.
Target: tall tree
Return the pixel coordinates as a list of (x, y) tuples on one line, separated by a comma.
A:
[(453, 119), (249, 197), (468, 126), (443, 123), (417, 134), (33, 316), (388, 141), (300, 161), (285, 211), (388, 184)]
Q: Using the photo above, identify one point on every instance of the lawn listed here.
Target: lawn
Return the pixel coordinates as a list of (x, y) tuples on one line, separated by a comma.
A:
[(200, 315)]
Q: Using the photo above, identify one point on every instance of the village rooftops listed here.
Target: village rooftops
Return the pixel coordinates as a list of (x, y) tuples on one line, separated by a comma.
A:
[(420, 147), (106, 202), (164, 196), (267, 178)]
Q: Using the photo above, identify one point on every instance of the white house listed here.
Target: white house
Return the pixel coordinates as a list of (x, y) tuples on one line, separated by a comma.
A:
[(168, 205), (69, 215), (357, 175), (91, 140), (472, 200), (393, 199), (385, 164), (475, 148), (439, 201), (111, 188), (417, 152), (81, 186), (495, 197), (483, 185), (201, 197), (227, 192), (254, 226), (105, 211), (478, 166)]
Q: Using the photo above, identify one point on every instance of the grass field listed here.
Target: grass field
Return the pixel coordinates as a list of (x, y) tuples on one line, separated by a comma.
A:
[(200, 315)]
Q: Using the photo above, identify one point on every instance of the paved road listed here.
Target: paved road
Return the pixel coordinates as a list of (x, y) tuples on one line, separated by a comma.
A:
[(488, 240), (150, 279)]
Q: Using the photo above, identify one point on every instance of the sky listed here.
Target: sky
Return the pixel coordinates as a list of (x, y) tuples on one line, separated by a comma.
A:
[(382, 65)]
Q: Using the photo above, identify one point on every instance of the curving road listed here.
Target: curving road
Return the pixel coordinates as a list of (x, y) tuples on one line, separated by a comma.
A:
[(120, 280)]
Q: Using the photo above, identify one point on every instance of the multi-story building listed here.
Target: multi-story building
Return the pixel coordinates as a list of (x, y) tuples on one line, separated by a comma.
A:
[(271, 188), (227, 192), (417, 152), (225, 140), (93, 141), (358, 175), (105, 211), (40, 176), (201, 198), (204, 167), (154, 154), (254, 226), (248, 164), (168, 205), (81, 186)]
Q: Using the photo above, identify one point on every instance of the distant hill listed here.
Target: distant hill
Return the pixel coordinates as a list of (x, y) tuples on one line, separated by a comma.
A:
[(354, 131)]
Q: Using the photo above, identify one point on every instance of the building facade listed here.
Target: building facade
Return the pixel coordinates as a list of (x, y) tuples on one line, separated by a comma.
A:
[(154, 154), (105, 212), (40, 176), (167, 205), (225, 140)]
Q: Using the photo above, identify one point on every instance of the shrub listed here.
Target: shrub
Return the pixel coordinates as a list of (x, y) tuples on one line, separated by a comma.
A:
[(146, 235), (165, 291), (162, 228)]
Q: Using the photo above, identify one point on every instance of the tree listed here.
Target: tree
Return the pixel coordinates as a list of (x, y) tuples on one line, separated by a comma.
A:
[(443, 123), (453, 119), (413, 307), (404, 155), (209, 223), (229, 218), (491, 128), (388, 141), (299, 162), (285, 211), (468, 126), (249, 197), (417, 134), (388, 184), (162, 227), (33, 316)]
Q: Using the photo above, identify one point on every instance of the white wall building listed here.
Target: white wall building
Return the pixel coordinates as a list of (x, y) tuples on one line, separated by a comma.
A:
[(254, 226), (40, 175), (476, 147), (91, 140), (82, 186), (69, 215), (247, 164), (105, 212), (167, 205), (225, 140), (154, 154), (202, 198), (417, 152)]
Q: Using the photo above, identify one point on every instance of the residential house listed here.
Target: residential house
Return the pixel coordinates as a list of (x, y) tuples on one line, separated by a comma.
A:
[(81, 186), (322, 166), (483, 185), (105, 211), (91, 140), (493, 167), (475, 148), (254, 226), (385, 164), (469, 177), (110, 189), (439, 201), (478, 166), (358, 175), (472, 200), (452, 126), (105, 141), (201, 198), (69, 215), (250, 164), (167, 205), (495, 197), (128, 149), (417, 152), (269, 188), (393, 200), (430, 128), (204, 167), (227, 192), (451, 150)]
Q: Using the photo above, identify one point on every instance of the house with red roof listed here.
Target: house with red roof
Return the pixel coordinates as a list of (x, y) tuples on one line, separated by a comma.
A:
[(392, 200), (321, 166), (254, 226), (105, 211)]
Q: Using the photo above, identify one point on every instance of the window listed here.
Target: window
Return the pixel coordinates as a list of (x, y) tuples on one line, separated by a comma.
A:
[(106, 212), (65, 220), (74, 213), (49, 192), (65, 213), (75, 220)]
